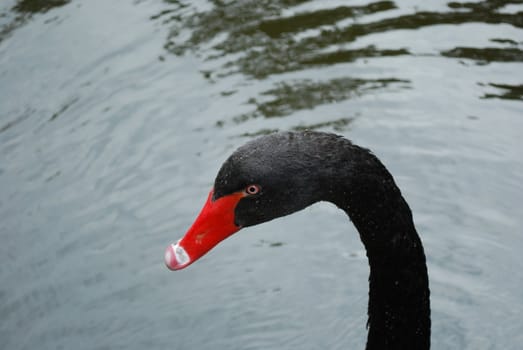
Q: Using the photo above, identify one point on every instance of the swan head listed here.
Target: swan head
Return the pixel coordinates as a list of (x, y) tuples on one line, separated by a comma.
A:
[(267, 178)]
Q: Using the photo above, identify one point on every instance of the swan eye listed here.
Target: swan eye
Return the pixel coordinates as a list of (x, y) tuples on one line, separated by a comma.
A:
[(252, 190)]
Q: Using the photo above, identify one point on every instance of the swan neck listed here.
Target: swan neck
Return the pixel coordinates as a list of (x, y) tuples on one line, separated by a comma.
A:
[(399, 307)]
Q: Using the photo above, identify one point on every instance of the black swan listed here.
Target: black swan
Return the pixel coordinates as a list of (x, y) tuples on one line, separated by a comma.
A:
[(278, 174)]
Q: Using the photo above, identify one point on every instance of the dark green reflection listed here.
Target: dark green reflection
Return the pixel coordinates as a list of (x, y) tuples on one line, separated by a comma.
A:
[(34, 6), (337, 125), (307, 94), (258, 28), (225, 17), (269, 45), (23, 10), (511, 92), (278, 26), (280, 60), (256, 39), (487, 5), (351, 55), (486, 55), (504, 41)]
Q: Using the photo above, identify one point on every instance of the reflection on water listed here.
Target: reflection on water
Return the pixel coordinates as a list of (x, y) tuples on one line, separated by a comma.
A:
[(23, 10), (269, 44), (511, 92), (277, 27), (260, 39), (338, 125), (34, 6), (341, 56), (486, 55), (305, 94), (115, 116)]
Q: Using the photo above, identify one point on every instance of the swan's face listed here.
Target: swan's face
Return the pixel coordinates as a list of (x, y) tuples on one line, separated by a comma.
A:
[(268, 185), (263, 180)]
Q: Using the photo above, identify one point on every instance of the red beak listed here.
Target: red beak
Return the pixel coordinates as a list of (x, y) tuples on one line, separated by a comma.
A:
[(213, 225)]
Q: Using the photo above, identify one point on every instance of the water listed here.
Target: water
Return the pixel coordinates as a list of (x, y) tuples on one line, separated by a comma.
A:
[(116, 115)]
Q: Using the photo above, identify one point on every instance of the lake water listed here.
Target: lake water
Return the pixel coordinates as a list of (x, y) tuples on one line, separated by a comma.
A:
[(116, 115)]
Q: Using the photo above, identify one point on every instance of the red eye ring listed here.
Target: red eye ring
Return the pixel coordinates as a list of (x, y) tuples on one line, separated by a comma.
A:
[(251, 190)]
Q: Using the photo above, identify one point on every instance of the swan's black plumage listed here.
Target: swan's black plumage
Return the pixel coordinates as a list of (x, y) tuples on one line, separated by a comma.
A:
[(295, 170)]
